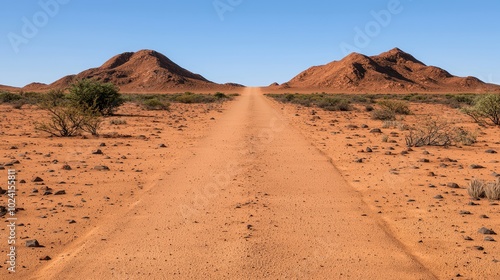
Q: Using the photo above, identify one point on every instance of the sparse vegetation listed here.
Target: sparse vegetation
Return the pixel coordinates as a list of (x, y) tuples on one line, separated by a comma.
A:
[(102, 98), (492, 190), (117, 122), (163, 101), (156, 104), (476, 189), (325, 101), (486, 107), (433, 132), (67, 118), (389, 109)]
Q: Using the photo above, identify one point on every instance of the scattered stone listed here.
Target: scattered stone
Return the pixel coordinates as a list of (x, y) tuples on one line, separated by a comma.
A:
[(47, 192), (432, 186), (472, 203), (32, 243), (438, 196), (376, 130), (61, 192), (425, 160), (37, 180), (488, 231), (66, 167), (468, 238), (369, 150), (2, 168), (483, 217), (359, 160), (476, 166), (431, 174), (97, 152), (22, 181), (404, 153), (102, 145), (465, 212), (162, 145), (72, 221), (453, 185), (490, 151), (479, 248), (489, 239), (364, 126), (101, 168), (34, 190), (46, 258)]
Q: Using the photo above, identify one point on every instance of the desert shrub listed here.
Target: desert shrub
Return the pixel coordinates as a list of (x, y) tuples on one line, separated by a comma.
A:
[(430, 133), (485, 107), (369, 108), (156, 104), (117, 122), (492, 190), (398, 107), (102, 98), (18, 104), (476, 189), (7, 97), (64, 121), (333, 104), (190, 98), (465, 137), (220, 95), (383, 115)]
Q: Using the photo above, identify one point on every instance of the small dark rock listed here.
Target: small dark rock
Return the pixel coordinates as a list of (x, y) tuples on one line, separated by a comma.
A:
[(97, 152), (61, 192), (37, 180), (101, 168), (465, 212), (376, 130), (66, 167), (369, 150), (162, 146), (32, 243), (468, 238), (483, 217), (489, 239), (438, 196), (425, 160), (490, 151), (479, 248), (453, 185), (488, 231), (476, 166), (46, 258)]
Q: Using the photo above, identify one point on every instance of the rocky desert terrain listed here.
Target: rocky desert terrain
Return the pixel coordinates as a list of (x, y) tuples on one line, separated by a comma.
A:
[(267, 184)]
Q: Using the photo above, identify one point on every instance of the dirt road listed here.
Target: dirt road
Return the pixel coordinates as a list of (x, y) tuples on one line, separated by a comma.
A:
[(255, 200)]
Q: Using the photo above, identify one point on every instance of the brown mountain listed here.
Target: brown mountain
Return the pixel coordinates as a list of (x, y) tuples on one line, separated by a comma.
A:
[(392, 71), (142, 71)]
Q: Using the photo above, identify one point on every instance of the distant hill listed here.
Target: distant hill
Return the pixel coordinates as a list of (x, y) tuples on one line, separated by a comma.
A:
[(142, 71), (392, 71)]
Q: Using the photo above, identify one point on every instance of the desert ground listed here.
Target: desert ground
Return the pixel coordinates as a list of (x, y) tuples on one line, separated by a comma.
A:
[(249, 189)]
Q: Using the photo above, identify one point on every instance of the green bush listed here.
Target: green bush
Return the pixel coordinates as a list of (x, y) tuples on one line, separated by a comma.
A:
[(102, 98), (398, 107), (333, 104), (383, 115), (156, 104), (7, 97)]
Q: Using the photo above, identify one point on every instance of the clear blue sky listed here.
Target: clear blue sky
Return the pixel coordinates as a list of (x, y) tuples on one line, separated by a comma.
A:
[(254, 42)]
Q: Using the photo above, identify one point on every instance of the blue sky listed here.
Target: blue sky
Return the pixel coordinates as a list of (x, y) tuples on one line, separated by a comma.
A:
[(253, 42)]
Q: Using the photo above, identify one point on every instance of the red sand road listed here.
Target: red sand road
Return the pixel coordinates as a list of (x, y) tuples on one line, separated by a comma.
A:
[(255, 200)]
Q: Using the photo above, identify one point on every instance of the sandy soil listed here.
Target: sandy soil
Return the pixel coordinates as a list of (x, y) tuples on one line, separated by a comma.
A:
[(261, 191), (404, 193)]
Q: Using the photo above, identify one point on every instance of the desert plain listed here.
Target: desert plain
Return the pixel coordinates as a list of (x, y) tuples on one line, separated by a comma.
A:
[(255, 188)]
